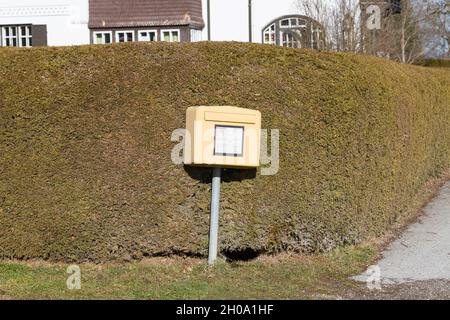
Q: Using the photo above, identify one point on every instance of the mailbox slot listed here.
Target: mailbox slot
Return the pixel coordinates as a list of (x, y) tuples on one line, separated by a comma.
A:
[(229, 117)]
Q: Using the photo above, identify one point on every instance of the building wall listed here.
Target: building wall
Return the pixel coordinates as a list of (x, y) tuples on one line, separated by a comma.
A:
[(66, 20), (229, 19)]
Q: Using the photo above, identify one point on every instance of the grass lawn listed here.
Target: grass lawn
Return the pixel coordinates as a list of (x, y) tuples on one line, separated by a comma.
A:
[(280, 277)]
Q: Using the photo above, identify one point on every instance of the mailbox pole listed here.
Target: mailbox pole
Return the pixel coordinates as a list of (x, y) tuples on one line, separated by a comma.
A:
[(214, 222)]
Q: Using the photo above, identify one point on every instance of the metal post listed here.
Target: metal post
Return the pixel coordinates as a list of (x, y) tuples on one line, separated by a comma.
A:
[(208, 21), (214, 222), (250, 22)]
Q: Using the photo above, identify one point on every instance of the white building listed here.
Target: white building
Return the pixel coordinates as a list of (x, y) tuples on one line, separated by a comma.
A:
[(51, 22), (67, 22), (26, 23), (229, 19)]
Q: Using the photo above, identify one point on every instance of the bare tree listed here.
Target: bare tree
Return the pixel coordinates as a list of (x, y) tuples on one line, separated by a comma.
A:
[(418, 25), (346, 25), (340, 21), (320, 11), (435, 26), (408, 29)]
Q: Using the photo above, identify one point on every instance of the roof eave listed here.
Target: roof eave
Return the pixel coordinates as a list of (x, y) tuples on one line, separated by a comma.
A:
[(105, 25)]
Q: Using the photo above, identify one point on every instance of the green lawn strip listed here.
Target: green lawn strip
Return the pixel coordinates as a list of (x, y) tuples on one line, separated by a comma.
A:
[(282, 277)]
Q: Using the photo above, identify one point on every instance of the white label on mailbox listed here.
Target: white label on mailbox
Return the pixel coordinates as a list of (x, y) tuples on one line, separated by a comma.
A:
[(229, 141)]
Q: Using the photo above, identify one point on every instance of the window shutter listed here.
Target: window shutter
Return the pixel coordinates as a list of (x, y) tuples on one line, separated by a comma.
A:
[(39, 32)]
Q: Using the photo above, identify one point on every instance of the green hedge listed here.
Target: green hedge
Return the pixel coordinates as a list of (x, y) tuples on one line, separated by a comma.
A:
[(436, 63), (85, 168)]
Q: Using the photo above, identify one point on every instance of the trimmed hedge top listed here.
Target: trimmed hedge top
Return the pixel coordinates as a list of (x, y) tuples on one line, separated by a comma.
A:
[(85, 168)]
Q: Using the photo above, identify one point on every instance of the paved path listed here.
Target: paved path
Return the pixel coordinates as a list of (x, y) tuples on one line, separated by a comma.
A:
[(422, 253)]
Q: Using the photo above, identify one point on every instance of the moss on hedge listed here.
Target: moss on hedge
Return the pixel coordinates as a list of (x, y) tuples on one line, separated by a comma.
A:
[(85, 169)]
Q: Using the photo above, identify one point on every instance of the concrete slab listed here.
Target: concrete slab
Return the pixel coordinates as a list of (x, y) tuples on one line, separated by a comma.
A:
[(422, 252)]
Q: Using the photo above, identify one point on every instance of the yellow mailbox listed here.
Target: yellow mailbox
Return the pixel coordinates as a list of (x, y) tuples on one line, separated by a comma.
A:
[(226, 137)]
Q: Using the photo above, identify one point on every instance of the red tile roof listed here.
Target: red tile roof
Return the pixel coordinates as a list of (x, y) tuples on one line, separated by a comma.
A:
[(143, 13)]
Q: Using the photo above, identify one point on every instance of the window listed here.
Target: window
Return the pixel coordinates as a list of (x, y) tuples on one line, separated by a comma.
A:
[(102, 37), (9, 36), (295, 31), (315, 38), (147, 35), (293, 23), (396, 6), (25, 37), (124, 36), (170, 35), (286, 39), (16, 36), (269, 35), (290, 39), (284, 23), (229, 141)]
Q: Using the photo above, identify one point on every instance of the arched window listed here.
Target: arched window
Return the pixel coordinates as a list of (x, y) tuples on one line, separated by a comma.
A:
[(269, 34), (294, 31)]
